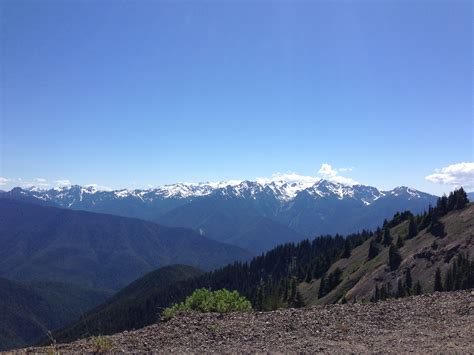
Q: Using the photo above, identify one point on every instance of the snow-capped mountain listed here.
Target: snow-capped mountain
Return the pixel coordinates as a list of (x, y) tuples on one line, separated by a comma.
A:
[(282, 190), (224, 210)]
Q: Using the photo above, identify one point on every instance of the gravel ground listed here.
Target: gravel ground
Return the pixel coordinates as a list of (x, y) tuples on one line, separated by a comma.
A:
[(435, 323)]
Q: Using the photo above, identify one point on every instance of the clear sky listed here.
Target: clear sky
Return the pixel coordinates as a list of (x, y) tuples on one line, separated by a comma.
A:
[(138, 93)]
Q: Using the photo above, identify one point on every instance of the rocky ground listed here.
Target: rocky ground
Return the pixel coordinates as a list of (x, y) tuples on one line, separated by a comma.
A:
[(440, 322)]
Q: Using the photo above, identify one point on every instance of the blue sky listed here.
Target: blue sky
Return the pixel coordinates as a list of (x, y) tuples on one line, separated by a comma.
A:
[(137, 93)]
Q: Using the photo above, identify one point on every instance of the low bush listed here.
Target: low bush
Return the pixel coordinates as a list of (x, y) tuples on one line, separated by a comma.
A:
[(203, 300)]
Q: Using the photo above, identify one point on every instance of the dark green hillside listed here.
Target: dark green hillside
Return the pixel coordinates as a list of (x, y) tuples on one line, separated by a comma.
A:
[(268, 281), (28, 311), (96, 250), (134, 305)]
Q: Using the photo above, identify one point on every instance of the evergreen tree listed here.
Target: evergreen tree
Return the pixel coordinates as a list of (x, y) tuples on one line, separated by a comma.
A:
[(408, 280), (347, 249), (418, 289), (436, 227), (448, 281), (373, 250), (400, 289), (377, 293), (459, 199), (460, 275), (400, 242), (292, 294), (387, 238), (378, 235), (463, 200), (437, 283), (412, 229), (322, 287), (333, 280), (344, 299), (394, 257), (298, 303), (442, 205)]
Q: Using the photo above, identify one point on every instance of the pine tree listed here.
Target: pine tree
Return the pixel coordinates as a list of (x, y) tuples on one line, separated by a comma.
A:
[(387, 238), (377, 293), (298, 303), (322, 287), (400, 242), (436, 227), (448, 281), (373, 250), (412, 229), (344, 299), (394, 257), (442, 205), (437, 283), (378, 235), (408, 280), (418, 289), (400, 289), (347, 249), (461, 198), (292, 294)]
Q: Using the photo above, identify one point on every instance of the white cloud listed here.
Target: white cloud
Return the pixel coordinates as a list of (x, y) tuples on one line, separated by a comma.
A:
[(40, 182), (4, 181), (327, 172), (63, 182), (289, 178), (456, 175)]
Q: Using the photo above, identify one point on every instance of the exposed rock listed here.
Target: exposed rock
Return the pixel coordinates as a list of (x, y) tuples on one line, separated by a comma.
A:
[(434, 323)]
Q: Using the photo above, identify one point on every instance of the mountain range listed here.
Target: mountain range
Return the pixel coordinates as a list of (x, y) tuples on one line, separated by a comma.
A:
[(254, 215), (94, 250)]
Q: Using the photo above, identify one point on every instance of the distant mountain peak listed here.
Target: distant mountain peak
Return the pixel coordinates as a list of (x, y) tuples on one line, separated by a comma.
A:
[(283, 188)]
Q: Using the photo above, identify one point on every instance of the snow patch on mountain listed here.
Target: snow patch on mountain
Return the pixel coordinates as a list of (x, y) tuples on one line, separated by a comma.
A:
[(283, 187)]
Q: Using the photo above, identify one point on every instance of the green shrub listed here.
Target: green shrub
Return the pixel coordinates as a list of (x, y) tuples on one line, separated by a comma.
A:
[(203, 300), (101, 344)]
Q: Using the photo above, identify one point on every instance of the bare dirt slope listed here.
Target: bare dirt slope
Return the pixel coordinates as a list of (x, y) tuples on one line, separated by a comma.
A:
[(439, 322)]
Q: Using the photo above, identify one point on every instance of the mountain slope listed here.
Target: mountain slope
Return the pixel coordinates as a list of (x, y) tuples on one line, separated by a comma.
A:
[(422, 255), (28, 311), (96, 250), (233, 221), (131, 307)]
